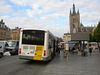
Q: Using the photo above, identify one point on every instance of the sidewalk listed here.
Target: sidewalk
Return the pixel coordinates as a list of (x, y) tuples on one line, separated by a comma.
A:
[(77, 65)]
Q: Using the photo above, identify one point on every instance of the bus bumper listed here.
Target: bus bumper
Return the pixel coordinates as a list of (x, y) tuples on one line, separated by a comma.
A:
[(32, 58), (26, 57)]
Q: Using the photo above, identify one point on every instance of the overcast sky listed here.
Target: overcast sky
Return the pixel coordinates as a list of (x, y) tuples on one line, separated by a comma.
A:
[(52, 15)]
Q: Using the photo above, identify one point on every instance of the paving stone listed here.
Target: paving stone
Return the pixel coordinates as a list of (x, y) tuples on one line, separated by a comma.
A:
[(77, 65)]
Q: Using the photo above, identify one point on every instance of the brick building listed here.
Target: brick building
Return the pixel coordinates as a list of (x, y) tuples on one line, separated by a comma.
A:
[(15, 33), (4, 31)]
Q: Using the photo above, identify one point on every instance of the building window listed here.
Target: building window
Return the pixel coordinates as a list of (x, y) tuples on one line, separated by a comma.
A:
[(73, 26), (82, 29), (87, 29), (74, 19)]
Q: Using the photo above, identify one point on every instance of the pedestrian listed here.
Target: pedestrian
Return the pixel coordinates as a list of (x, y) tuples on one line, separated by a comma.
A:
[(98, 46), (85, 51), (79, 50), (73, 49), (94, 48), (90, 49), (58, 50), (64, 53)]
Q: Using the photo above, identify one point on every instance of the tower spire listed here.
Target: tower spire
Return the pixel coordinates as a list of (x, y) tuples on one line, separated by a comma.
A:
[(70, 11), (78, 12), (74, 12)]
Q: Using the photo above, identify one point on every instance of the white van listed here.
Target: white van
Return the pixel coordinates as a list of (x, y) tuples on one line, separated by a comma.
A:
[(2, 45)]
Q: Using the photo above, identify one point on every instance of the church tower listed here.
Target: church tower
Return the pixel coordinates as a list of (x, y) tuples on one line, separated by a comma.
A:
[(74, 20)]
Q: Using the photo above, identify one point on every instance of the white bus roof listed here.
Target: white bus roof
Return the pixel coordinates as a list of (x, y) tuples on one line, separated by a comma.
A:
[(34, 29)]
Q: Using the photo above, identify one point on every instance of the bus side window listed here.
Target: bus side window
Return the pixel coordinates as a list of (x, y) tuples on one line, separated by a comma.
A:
[(49, 45)]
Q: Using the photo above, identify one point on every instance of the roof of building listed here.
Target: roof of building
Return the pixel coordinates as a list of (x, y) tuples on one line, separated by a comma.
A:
[(85, 29), (78, 36)]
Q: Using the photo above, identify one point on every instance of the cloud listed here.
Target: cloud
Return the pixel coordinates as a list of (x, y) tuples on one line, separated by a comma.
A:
[(5, 8), (90, 17), (21, 2), (46, 13), (24, 22)]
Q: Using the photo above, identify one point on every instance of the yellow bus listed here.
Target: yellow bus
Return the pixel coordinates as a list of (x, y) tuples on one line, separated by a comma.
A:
[(37, 44)]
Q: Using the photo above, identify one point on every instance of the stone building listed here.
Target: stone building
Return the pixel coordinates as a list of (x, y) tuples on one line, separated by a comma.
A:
[(78, 32), (15, 33), (4, 31), (76, 26)]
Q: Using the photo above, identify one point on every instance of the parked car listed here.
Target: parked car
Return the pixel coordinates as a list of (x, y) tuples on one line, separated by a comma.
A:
[(12, 46), (2, 46)]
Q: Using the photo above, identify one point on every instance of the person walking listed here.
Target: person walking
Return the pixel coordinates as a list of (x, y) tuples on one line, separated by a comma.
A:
[(90, 49)]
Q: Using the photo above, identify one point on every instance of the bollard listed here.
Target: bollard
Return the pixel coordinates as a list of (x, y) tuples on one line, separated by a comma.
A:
[(67, 56)]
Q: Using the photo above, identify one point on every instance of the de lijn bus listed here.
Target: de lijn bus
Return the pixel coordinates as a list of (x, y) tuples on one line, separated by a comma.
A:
[(37, 44)]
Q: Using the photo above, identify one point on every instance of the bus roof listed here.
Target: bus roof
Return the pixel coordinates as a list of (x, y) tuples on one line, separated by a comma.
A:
[(33, 29)]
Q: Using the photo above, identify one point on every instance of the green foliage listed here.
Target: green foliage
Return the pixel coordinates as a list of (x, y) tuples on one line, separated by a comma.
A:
[(97, 33), (92, 38)]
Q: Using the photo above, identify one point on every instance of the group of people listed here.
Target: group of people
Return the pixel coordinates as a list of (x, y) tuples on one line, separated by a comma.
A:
[(83, 51), (59, 47), (79, 50)]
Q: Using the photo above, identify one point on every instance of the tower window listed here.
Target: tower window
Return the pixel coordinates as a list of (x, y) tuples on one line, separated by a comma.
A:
[(82, 29), (74, 19), (73, 26), (87, 29)]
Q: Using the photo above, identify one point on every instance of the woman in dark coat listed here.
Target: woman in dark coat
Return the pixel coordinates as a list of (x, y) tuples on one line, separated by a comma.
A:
[(90, 49)]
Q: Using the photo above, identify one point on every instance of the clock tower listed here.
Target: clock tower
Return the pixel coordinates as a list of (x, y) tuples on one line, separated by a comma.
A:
[(74, 19)]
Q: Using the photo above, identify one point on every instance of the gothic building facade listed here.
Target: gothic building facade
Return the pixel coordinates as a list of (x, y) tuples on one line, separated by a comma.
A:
[(75, 25)]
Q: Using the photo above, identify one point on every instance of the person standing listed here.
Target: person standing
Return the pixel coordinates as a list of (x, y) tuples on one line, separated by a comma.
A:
[(58, 50), (90, 49), (79, 50), (99, 47), (73, 49), (94, 48)]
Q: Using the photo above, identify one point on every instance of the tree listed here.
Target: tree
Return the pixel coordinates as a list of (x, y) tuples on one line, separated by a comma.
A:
[(97, 33), (92, 38)]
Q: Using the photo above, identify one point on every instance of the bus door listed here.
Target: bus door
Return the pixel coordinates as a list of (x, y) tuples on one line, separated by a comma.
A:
[(54, 48)]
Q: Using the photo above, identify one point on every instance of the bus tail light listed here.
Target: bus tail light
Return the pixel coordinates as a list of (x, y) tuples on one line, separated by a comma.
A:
[(20, 51), (44, 52)]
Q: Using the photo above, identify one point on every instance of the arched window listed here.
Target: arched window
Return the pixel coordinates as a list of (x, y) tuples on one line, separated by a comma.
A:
[(73, 26), (87, 29), (82, 29)]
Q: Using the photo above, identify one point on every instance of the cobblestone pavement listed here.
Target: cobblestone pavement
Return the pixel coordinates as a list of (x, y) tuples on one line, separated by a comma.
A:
[(77, 65)]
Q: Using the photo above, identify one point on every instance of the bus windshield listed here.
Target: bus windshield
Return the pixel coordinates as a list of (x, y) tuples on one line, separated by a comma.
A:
[(33, 37)]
